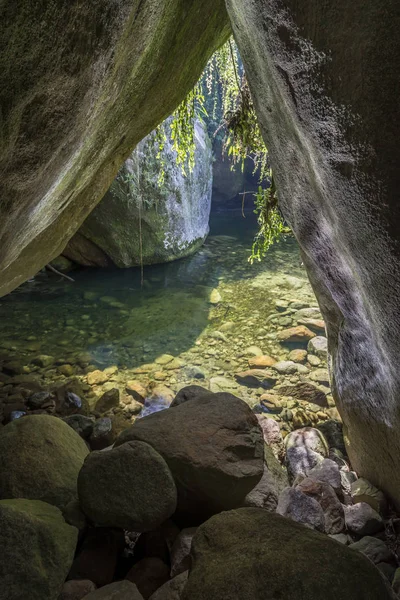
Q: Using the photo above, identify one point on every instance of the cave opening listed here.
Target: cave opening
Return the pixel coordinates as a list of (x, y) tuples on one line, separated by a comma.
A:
[(198, 322)]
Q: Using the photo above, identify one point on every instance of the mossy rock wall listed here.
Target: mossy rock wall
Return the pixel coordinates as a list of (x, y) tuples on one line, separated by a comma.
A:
[(140, 218), (80, 85)]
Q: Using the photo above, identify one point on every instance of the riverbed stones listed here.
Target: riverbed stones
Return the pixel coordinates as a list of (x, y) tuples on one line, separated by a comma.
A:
[(362, 520), (325, 495), (257, 378), (305, 449), (261, 362), (251, 553), (306, 392), (37, 550), (328, 472), (40, 458), (285, 367), (81, 424), (272, 435), (130, 487), (320, 376), (374, 548), (215, 297), (299, 334), (213, 446), (103, 434), (97, 377), (363, 491), (298, 355), (294, 504), (108, 401), (318, 346), (43, 360)]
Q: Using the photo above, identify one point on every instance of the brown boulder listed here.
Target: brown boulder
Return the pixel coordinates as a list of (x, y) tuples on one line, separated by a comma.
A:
[(213, 446)]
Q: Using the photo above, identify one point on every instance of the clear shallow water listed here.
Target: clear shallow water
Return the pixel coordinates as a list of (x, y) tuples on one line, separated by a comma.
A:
[(106, 319)]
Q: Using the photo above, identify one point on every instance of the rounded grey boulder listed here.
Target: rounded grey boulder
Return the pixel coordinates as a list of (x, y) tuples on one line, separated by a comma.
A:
[(130, 487), (214, 448)]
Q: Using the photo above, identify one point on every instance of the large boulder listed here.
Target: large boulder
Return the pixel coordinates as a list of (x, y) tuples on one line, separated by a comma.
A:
[(213, 446), (37, 549), (326, 111), (252, 554), (40, 458), (140, 219), (81, 84), (130, 487)]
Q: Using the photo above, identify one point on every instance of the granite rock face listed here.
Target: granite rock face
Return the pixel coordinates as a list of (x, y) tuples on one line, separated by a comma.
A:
[(81, 84), (142, 219), (326, 90)]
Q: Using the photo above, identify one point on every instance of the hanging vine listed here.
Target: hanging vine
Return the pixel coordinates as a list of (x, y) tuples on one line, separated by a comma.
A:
[(223, 95)]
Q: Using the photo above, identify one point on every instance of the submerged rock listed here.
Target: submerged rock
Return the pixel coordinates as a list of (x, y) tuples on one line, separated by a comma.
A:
[(251, 553), (37, 550), (296, 334), (40, 458)]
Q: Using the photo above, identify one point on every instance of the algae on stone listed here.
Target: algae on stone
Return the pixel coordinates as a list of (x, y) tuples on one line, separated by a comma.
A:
[(37, 550)]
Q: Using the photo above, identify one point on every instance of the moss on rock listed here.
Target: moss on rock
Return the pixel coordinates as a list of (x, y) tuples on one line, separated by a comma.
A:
[(40, 458), (37, 550)]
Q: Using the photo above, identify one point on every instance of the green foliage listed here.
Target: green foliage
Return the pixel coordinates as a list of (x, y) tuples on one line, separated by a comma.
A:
[(271, 225), (223, 88)]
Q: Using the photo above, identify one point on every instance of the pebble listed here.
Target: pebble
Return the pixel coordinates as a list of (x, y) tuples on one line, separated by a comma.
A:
[(318, 346)]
